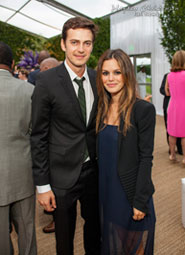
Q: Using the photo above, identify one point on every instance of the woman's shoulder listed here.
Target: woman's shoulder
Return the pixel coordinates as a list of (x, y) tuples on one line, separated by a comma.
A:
[(143, 108), (181, 73), (143, 104)]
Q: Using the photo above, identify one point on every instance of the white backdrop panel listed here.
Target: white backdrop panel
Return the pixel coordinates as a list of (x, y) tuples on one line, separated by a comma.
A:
[(137, 31)]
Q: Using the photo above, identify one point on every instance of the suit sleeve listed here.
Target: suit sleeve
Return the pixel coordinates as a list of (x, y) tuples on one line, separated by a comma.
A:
[(32, 76), (41, 109), (145, 121)]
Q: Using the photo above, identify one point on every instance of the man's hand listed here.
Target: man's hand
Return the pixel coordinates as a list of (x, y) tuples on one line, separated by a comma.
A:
[(148, 98), (138, 215), (47, 200)]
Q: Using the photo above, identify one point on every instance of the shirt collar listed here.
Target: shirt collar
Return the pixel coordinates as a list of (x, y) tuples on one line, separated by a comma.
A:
[(72, 74), (4, 70)]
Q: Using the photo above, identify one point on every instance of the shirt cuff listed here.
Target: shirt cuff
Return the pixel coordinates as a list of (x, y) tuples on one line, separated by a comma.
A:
[(43, 188)]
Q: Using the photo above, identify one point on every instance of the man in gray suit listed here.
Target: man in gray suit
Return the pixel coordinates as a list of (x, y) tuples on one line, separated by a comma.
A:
[(17, 197)]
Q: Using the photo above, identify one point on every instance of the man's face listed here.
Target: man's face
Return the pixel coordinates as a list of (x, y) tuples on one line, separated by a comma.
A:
[(78, 47)]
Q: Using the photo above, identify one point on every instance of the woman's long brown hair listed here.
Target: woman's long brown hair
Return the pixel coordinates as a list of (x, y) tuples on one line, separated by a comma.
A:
[(128, 95)]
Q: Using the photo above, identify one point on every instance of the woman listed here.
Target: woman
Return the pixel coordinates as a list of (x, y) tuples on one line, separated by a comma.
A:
[(125, 127), (175, 87), (23, 74)]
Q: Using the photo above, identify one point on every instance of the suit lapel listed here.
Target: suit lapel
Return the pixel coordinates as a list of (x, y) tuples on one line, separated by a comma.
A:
[(92, 79), (68, 86)]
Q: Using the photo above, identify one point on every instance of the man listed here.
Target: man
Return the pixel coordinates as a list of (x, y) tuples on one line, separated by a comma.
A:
[(17, 198), (63, 139), (44, 54), (48, 63), (141, 79)]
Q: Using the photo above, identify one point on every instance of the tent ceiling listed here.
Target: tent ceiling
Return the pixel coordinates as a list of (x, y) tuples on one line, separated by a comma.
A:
[(46, 17)]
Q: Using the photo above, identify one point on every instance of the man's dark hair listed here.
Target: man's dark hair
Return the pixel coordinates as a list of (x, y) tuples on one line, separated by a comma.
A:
[(6, 55), (79, 22)]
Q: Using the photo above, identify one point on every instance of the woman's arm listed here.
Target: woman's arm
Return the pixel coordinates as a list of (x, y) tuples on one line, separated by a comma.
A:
[(167, 91), (145, 124)]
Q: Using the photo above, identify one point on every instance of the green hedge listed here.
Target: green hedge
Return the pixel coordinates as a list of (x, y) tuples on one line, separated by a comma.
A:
[(19, 40)]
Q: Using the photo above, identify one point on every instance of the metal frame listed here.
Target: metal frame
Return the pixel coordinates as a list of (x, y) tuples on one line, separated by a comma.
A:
[(125, 2), (63, 8)]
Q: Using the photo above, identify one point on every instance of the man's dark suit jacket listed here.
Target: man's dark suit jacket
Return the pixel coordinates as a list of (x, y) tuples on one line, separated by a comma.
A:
[(59, 134), (135, 155), (32, 76)]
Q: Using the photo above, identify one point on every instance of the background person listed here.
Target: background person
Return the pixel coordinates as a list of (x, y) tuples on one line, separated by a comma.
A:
[(43, 54), (23, 74), (125, 127), (64, 139), (165, 107), (17, 198), (175, 87), (48, 63), (141, 79)]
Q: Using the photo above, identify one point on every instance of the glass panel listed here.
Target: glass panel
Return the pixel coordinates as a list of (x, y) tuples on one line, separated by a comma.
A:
[(46, 14), (95, 8), (5, 14), (16, 5), (52, 16), (33, 26), (143, 74)]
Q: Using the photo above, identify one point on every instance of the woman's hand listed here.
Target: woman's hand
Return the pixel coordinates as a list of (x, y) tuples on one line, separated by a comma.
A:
[(138, 215)]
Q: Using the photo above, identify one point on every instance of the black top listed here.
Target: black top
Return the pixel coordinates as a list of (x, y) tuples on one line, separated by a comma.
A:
[(162, 91)]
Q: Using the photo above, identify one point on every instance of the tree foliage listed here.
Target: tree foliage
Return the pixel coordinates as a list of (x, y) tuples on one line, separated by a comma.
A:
[(102, 42), (173, 27), (54, 48), (19, 40)]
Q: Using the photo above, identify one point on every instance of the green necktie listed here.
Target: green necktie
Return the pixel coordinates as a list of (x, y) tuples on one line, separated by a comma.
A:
[(82, 102), (81, 96)]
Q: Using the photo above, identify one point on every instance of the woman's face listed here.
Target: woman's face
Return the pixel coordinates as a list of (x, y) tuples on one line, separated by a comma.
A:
[(21, 76), (112, 77)]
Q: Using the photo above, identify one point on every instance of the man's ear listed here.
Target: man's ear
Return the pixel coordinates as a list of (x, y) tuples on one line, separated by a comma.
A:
[(63, 46)]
